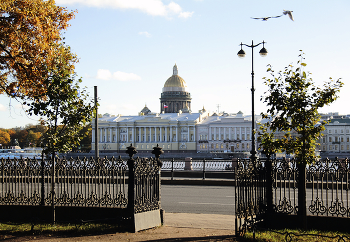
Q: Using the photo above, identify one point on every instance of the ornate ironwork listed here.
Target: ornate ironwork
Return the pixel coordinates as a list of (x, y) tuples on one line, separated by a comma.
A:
[(250, 193), (327, 189), (78, 182), (146, 184)]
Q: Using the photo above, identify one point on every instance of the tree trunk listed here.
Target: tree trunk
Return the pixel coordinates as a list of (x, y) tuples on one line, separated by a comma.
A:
[(302, 196)]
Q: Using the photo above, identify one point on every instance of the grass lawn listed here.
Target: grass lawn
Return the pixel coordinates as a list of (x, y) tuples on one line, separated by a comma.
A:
[(296, 235), (8, 230)]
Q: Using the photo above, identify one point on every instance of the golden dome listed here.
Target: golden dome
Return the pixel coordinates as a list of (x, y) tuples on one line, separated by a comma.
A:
[(175, 81)]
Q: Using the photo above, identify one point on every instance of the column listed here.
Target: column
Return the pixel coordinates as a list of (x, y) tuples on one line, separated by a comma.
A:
[(140, 134), (188, 133), (155, 134), (150, 134), (166, 134), (101, 131), (93, 136), (229, 133), (194, 133), (160, 134), (209, 133), (133, 134), (176, 139), (214, 133), (110, 135)]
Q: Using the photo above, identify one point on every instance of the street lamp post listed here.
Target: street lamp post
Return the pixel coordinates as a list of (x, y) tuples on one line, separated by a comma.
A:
[(241, 54)]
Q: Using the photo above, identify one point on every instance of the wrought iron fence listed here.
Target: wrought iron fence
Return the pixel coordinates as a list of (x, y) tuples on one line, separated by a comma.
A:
[(259, 189), (76, 182), (327, 185)]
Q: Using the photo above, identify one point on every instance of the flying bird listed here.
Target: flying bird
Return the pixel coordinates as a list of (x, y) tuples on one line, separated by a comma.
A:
[(285, 12), (266, 18)]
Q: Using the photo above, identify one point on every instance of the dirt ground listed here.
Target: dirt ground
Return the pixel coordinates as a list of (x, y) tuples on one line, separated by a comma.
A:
[(177, 227)]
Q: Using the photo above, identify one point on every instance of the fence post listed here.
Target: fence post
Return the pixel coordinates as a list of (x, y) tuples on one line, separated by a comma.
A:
[(302, 196), (53, 195), (42, 203), (269, 194), (131, 151), (172, 169), (203, 168)]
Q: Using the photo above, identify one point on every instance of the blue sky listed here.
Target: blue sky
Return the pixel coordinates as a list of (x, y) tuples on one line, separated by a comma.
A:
[(128, 48)]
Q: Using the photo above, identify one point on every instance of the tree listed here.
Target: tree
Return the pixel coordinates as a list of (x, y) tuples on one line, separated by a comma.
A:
[(4, 138), (64, 108), (30, 42), (293, 102)]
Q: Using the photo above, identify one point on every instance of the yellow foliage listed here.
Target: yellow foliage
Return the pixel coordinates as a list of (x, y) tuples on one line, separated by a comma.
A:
[(30, 42)]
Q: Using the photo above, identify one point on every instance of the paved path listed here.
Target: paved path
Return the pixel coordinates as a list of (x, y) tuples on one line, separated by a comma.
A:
[(177, 227)]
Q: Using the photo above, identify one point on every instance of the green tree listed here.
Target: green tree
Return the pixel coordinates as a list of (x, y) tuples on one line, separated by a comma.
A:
[(65, 109), (293, 102)]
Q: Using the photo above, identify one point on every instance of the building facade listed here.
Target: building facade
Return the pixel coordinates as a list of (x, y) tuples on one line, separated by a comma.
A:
[(225, 133), (336, 137), (174, 132)]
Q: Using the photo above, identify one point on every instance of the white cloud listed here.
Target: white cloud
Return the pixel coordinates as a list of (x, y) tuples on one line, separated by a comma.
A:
[(103, 74), (122, 76), (145, 33), (185, 14), (152, 7)]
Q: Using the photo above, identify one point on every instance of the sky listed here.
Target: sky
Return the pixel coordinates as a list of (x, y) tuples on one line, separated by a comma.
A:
[(127, 48)]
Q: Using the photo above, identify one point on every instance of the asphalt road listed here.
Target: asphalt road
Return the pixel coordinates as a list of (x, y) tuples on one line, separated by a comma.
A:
[(198, 199)]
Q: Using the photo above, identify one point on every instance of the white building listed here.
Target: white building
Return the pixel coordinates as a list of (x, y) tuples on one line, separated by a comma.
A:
[(225, 133), (172, 131)]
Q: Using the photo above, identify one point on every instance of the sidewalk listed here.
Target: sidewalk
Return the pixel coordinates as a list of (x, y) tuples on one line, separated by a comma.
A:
[(177, 227)]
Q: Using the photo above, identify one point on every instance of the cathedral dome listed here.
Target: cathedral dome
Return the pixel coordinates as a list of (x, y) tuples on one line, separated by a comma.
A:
[(175, 83)]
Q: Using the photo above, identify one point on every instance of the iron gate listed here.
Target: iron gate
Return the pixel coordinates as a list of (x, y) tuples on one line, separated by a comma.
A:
[(250, 194)]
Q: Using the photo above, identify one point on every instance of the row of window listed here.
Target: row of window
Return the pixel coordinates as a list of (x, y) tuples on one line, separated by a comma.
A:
[(330, 131), (336, 139), (226, 137), (225, 146)]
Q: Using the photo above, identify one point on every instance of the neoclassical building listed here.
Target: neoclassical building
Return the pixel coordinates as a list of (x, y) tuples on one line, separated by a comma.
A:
[(225, 133), (173, 132), (175, 96)]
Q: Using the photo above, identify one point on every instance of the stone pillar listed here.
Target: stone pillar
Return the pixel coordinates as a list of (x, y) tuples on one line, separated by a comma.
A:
[(176, 138), (166, 134), (155, 134), (110, 135), (194, 133), (160, 134), (150, 134), (93, 136), (101, 131)]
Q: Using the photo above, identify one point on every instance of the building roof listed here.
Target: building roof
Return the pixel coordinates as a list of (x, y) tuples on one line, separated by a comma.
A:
[(168, 117), (175, 83)]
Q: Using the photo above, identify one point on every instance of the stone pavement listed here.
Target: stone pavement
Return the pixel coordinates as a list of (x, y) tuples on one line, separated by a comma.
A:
[(177, 227)]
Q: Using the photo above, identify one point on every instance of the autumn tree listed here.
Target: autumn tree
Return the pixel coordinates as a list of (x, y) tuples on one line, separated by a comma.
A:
[(293, 102), (30, 41), (4, 138)]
